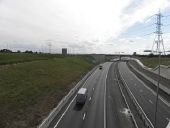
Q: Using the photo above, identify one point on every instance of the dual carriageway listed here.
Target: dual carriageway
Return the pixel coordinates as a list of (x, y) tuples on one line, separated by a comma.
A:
[(109, 105)]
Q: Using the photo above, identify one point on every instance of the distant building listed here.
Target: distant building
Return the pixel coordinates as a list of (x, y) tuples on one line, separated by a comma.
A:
[(64, 51)]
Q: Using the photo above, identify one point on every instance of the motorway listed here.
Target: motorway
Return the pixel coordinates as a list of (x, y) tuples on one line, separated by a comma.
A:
[(146, 97), (104, 107)]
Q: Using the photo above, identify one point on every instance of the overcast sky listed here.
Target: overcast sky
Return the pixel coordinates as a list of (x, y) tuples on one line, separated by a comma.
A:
[(82, 26)]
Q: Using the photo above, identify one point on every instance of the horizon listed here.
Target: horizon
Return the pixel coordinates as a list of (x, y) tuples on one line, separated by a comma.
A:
[(82, 27)]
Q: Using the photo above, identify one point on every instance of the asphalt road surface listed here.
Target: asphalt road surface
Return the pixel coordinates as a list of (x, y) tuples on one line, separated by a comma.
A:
[(146, 97), (117, 115), (104, 107)]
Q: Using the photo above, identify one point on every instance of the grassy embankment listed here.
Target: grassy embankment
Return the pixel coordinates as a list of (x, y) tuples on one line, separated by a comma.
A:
[(28, 91), (11, 58), (153, 61)]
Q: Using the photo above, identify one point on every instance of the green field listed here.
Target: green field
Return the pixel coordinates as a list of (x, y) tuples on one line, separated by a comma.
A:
[(153, 61), (10, 58), (28, 91)]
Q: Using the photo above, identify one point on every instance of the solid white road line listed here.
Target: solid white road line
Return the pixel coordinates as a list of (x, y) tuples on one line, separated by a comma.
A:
[(168, 126), (127, 103), (64, 112), (84, 116), (153, 92), (72, 101), (105, 100), (136, 100), (89, 98)]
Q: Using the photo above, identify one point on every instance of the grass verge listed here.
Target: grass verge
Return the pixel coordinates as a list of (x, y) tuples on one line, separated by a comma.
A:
[(28, 91), (11, 58), (153, 61)]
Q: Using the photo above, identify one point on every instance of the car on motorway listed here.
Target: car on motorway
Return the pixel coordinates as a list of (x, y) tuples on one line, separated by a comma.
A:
[(81, 96), (100, 67)]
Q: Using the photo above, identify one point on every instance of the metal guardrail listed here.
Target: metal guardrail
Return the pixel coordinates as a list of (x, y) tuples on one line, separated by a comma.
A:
[(46, 122), (132, 116), (140, 75), (142, 114), (163, 80)]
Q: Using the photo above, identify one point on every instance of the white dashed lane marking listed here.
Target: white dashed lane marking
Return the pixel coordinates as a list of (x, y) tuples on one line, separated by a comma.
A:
[(84, 116), (151, 101), (141, 90)]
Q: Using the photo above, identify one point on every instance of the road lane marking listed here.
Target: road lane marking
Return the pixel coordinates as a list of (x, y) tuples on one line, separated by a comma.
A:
[(89, 98), (154, 93), (115, 80), (105, 99), (105, 103), (64, 112), (151, 101), (73, 100), (141, 90), (126, 102), (93, 89), (168, 126), (136, 100), (84, 116)]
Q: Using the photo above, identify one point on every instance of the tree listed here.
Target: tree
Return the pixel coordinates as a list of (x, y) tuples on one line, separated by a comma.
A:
[(18, 51), (134, 53), (28, 51), (151, 55), (5, 51)]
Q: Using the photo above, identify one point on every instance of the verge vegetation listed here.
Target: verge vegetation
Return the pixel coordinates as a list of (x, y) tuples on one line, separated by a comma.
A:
[(152, 62), (28, 91), (12, 58)]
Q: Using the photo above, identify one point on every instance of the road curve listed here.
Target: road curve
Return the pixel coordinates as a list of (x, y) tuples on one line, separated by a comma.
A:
[(92, 114), (145, 97), (104, 108)]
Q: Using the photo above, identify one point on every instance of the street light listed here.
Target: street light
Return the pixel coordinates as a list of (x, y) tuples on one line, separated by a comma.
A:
[(119, 54), (157, 90)]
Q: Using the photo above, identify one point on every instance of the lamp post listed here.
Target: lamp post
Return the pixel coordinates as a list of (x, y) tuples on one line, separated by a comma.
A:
[(119, 53), (157, 89)]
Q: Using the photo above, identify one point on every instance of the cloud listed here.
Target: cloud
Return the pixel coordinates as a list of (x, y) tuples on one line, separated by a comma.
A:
[(84, 25)]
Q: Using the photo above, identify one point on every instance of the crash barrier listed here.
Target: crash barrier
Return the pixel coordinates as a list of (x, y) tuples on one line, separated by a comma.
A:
[(46, 122), (164, 81), (142, 114)]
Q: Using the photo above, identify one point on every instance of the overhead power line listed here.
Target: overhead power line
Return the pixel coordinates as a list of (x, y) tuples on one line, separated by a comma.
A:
[(166, 25), (158, 41), (149, 34), (166, 16), (150, 17)]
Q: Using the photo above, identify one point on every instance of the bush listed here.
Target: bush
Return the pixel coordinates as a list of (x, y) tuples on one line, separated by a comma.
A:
[(5, 51)]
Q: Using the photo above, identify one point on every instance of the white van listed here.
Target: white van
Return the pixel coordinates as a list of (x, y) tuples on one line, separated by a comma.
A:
[(81, 96)]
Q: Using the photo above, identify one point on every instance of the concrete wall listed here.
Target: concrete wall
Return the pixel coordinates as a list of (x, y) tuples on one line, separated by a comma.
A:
[(105, 57), (98, 57)]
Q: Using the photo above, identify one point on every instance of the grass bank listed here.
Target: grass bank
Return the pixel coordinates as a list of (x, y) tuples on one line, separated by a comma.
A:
[(153, 61), (11, 58), (28, 91)]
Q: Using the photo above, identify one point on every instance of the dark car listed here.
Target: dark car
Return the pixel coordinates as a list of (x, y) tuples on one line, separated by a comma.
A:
[(100, 67)]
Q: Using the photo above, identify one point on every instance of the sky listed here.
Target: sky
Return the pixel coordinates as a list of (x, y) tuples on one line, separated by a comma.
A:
[(82, 26)]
